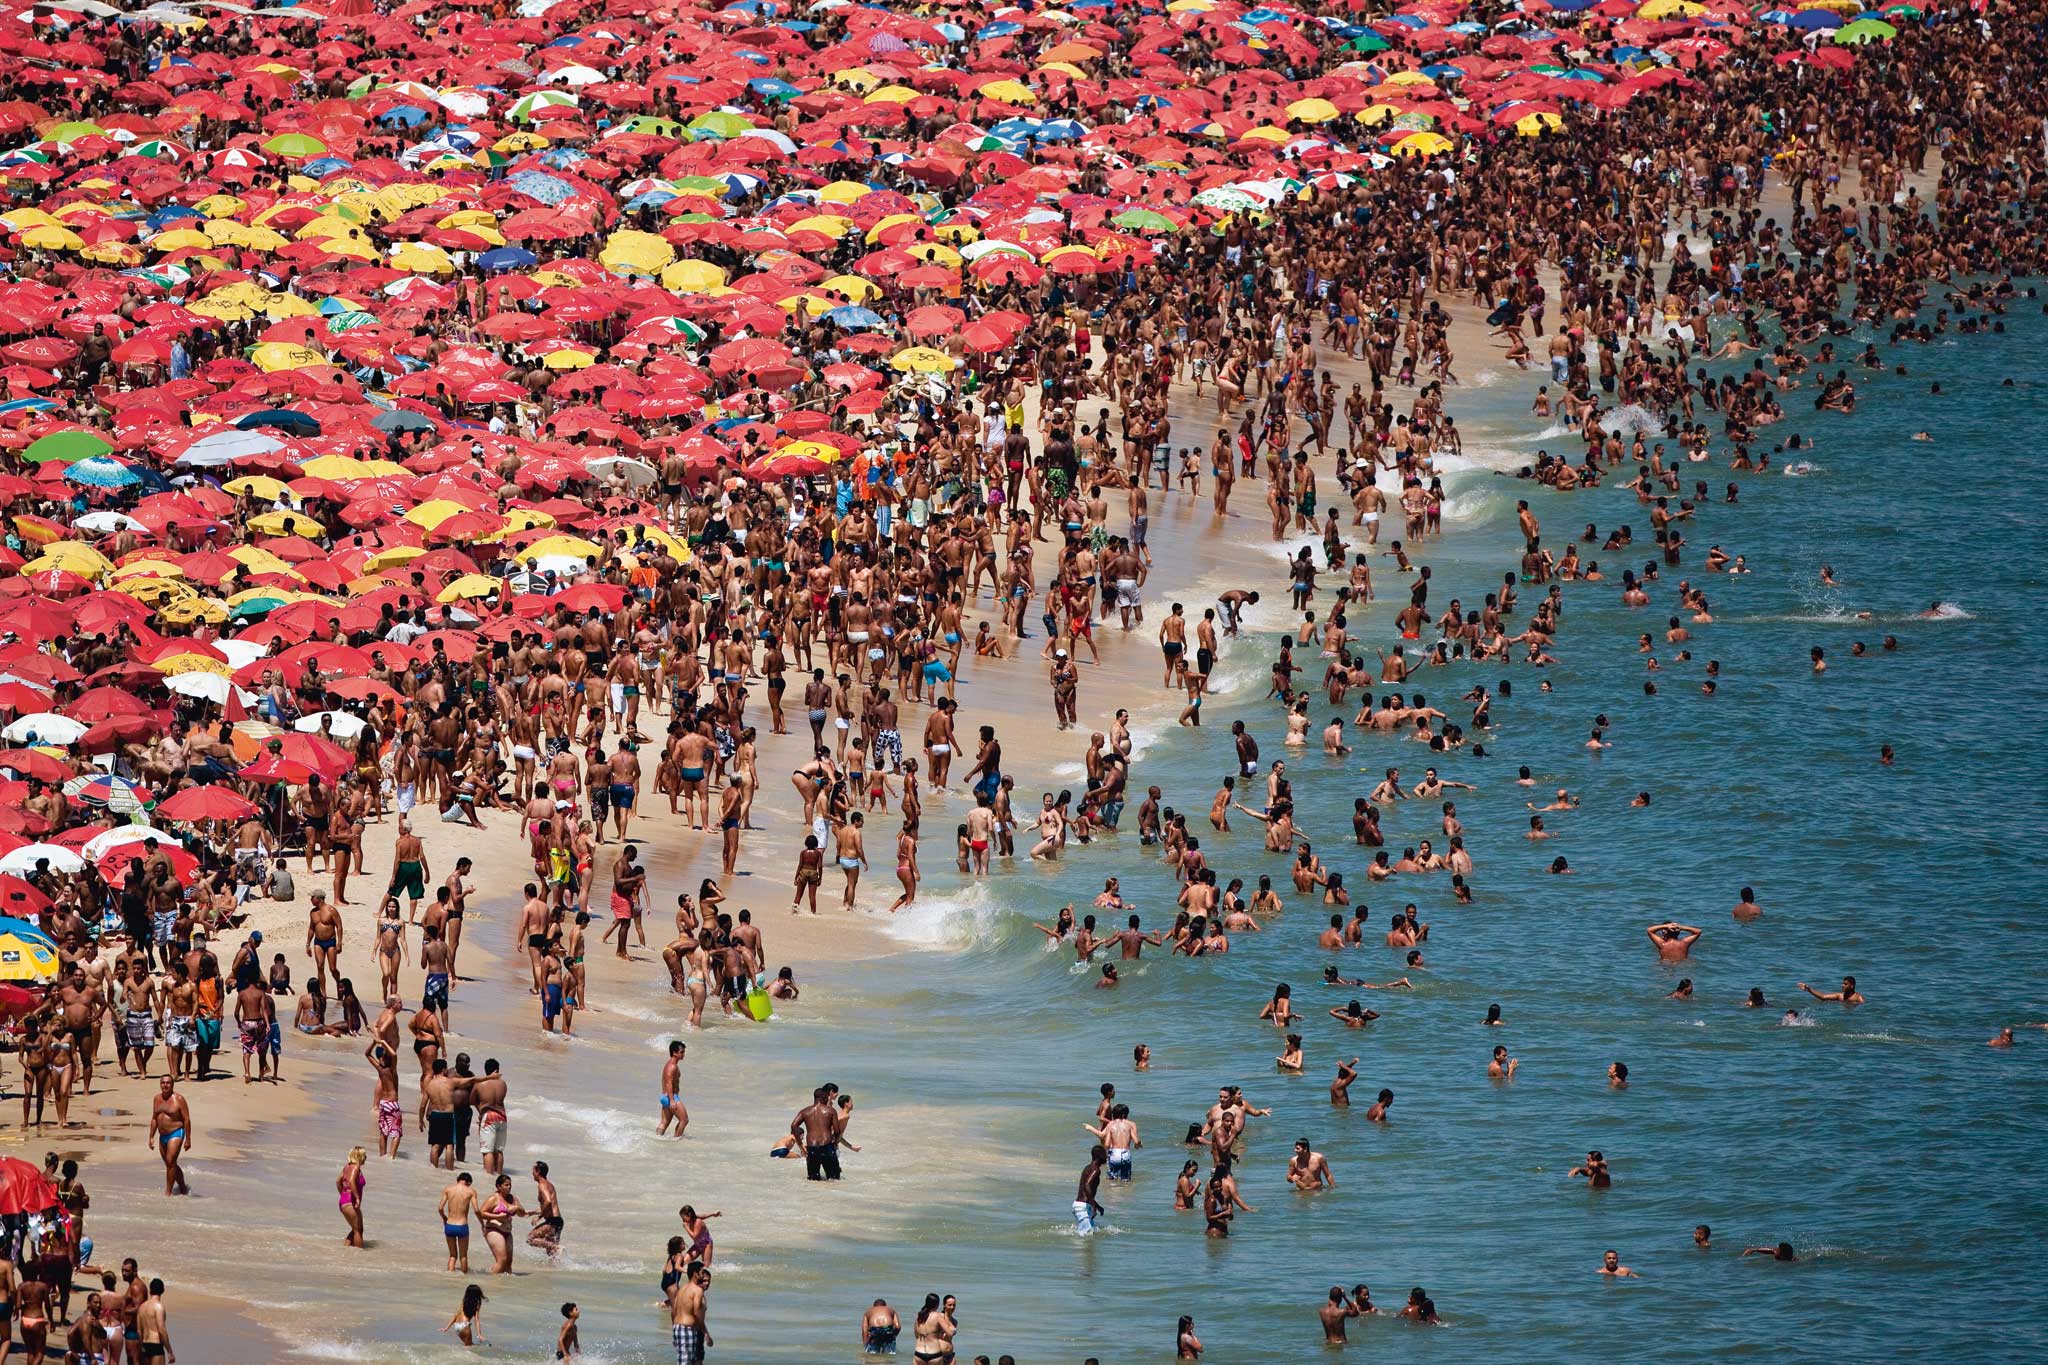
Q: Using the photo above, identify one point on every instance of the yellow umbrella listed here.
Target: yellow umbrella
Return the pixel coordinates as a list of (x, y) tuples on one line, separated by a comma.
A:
[(340, 468), (27, 956), (422, 258), (856, 78), (20, 220), (1667, 9), (74, 555), (522, 519), (433, 513), (147, 568), (637, 253), (813, 450), (573, 546), (640, 533), (1416, 77), (1372, 116), (471, 586), (1064, 68), (179, 239), (174, 664), (519, 142), (938, 253), (1422, 144), (52, 238), (844, 191), (1266, 132), (286, 524), (189, 610), (853, 287), (922, 360), (1529, 125), (220, 206), (393, 555), (1008, 92), (258, 560), (281, 355), (1312, 110), (692, 277), (155, 591), (891, 94), (257, 485), (874, 234), (568, 358)]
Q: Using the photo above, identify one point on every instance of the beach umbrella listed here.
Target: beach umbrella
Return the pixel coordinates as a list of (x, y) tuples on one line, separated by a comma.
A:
[(69, 446), (45, 727), (105, 841), (117, 794), (206, 803), (24, 1189), (23, 860)]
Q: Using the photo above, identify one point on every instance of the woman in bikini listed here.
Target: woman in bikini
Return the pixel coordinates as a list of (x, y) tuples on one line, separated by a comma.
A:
[(348, 1188)]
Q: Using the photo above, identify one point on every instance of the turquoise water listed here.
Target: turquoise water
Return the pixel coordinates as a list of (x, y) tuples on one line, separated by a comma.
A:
[(1899, 1155)]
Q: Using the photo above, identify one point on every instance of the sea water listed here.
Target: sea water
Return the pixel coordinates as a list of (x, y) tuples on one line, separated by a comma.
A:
[(1900, 1156)]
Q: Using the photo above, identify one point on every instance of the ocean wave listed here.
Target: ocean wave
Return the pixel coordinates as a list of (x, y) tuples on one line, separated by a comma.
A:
[(1799, 469), (1629, 419), (1464, 508), (1946, 611), (608, 1130), (1799, 1021), (957, 919)]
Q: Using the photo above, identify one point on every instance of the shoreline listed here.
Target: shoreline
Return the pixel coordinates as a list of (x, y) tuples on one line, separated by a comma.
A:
[(1004, 695)]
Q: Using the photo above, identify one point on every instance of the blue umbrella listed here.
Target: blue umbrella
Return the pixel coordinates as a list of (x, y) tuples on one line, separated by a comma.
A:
[(1816, 18), (101, 472), (773, 89), (507, 258), (853, 319), (402, 419), (1061, 130), (536, 185), (403, 116), (324, 167), (284, 419)]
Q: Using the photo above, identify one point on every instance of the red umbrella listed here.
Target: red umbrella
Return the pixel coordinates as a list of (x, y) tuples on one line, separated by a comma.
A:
[(272, 768), (16, 1001), (206, 803), (20, 898), (24, 1188), (37, 764)]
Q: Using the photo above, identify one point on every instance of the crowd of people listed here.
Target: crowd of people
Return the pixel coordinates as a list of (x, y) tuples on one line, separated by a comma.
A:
[(393, 446)]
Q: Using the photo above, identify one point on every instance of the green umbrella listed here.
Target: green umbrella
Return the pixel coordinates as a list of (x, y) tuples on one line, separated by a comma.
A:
[(1864, 31), (1145, 220), (719, 124), (72, 132), (1367, 42), (295, 144), (68, 446)]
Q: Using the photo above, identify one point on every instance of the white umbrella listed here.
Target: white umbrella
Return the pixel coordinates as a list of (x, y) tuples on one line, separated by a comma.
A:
[(98, 846), (635, 471), (222, 447), (106, 523), (199, 683), (342, 726), (23, 860), (241, 653), (45, 727)]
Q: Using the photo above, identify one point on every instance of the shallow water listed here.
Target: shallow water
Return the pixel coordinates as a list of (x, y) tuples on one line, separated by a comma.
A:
[(1897, 1153)]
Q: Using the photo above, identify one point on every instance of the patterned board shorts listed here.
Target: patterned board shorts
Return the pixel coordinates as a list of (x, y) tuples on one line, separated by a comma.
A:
[(689, 1345)]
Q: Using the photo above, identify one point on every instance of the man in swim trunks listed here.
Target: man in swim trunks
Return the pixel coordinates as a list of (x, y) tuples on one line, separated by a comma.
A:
[(409, 871)]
